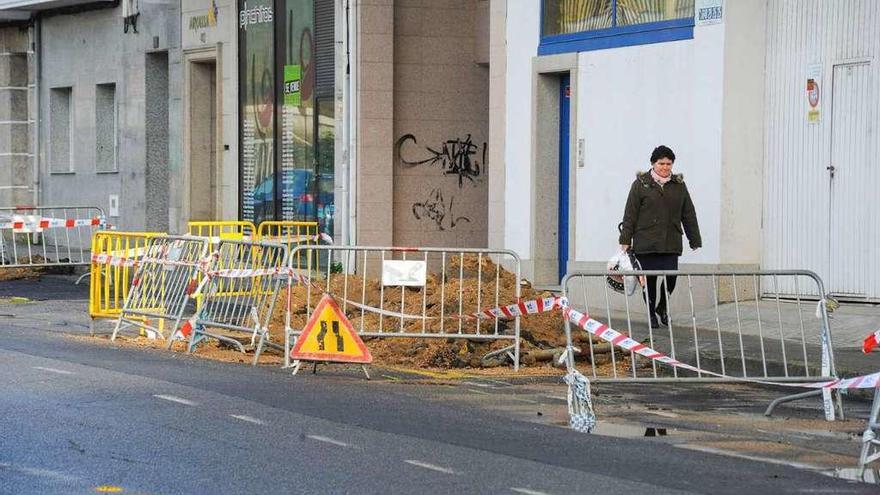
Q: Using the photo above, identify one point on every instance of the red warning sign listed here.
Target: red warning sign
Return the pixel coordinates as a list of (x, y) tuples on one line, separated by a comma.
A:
[(329, 336)]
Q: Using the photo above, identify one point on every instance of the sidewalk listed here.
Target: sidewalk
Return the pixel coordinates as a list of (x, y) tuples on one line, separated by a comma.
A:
[(737, 325)]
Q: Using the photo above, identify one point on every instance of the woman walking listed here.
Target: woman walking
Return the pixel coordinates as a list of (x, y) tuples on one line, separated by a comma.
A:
[(657, 208)]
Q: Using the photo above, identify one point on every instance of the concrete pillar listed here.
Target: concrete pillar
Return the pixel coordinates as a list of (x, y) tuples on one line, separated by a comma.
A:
[(16, 146), (376, 122)]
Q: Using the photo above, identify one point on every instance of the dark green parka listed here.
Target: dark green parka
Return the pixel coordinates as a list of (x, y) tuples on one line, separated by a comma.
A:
[(654, 215)]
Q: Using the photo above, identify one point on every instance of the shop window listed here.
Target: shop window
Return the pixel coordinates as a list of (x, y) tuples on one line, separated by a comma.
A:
[(583, 25)]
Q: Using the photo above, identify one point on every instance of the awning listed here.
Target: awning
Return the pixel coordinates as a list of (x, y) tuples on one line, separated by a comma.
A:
[(40, 5)]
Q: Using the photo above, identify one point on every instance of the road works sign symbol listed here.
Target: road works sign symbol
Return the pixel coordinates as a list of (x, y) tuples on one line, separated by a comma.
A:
[(329, 336)]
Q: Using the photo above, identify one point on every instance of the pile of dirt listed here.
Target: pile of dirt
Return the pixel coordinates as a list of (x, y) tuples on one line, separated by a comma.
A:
[(23, 272), (468, 285), (7, 273), (31, 272), (211, 349)]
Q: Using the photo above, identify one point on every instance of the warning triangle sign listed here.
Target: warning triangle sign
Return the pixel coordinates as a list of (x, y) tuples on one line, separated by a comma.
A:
[(329, 336)]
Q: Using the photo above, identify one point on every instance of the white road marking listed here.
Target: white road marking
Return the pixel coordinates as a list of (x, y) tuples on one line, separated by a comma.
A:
[(480, 392), (45, 473), (172, 398), (53, 370), (432, 467), (526, 491), (319, 438), (478, 384), (769, 460), (248, 419)]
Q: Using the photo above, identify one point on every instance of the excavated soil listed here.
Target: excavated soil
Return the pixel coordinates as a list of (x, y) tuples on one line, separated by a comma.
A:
[(209, 350), (467, 286), (27, 272), (19, 273)]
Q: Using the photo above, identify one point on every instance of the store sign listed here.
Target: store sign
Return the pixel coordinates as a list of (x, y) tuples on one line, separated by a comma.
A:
[(708, 12), (257, 15), (292, 85), (204, 21), (814, 107)]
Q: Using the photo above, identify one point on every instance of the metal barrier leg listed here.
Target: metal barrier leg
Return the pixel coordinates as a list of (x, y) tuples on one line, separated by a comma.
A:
[(503, 351), (259, 349), (870, 443), (790, 398)]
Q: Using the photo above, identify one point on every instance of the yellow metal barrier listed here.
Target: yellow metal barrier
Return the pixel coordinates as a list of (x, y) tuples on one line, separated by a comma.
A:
[(215, 231), (291, 234), (112, 269)]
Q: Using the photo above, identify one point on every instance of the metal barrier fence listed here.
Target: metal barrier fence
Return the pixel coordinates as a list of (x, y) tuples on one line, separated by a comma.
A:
[(409, 292), (239, 294), (717, 321), (870, 441), (216, 231), (44, 236), (291, 234), (163, 280), (114, 258)]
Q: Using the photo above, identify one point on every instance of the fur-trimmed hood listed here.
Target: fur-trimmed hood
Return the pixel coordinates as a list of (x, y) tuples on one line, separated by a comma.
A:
[(645, 178)]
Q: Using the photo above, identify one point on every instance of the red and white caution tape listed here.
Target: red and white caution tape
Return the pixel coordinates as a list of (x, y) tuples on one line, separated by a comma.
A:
[(531, 307), (616, 338), (623, 341), (129, 257), (35, 225), (110, 260), (245, 272)]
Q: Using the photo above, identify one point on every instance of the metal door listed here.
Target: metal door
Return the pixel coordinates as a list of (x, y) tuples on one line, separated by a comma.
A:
[(564, 118), (850, 180)]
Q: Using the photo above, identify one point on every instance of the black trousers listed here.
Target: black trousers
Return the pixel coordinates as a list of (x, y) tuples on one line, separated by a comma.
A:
[(655, 261)]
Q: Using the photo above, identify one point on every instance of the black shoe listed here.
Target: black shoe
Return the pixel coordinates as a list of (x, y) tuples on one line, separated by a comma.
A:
[(664, 318), (654, 323)]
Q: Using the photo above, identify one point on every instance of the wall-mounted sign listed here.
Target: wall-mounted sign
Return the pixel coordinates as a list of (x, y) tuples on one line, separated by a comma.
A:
[(292, 85), (257, 15), (814, 94), (408, 273), (708, 12), (209, 19)]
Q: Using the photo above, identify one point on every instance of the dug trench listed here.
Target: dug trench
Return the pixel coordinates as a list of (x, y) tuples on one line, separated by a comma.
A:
[(468, 285)]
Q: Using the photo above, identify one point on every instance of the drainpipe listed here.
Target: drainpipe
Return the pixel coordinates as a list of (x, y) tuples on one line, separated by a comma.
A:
[(35, 35), (351, 80)]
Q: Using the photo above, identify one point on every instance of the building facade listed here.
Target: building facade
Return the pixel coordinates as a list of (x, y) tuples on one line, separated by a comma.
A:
[(102, 100), (769, 107), (514, 124)]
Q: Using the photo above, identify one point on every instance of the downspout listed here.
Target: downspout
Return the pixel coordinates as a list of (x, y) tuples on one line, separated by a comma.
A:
[(345, 230), (351, 79), (36, 49)]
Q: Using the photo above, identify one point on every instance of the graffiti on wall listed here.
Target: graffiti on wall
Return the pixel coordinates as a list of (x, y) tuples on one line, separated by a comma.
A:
[(457, 157), (436, 209)]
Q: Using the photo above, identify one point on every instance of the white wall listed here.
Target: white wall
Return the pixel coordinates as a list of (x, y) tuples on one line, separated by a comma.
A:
[(804, 225), (522, 45), (630, 100), (633, 99)]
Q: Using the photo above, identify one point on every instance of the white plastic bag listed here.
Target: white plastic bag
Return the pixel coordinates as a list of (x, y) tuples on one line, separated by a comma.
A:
[(623, 261)]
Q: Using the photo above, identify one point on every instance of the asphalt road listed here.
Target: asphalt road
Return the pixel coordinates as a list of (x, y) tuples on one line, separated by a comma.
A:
[(77, 417)]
